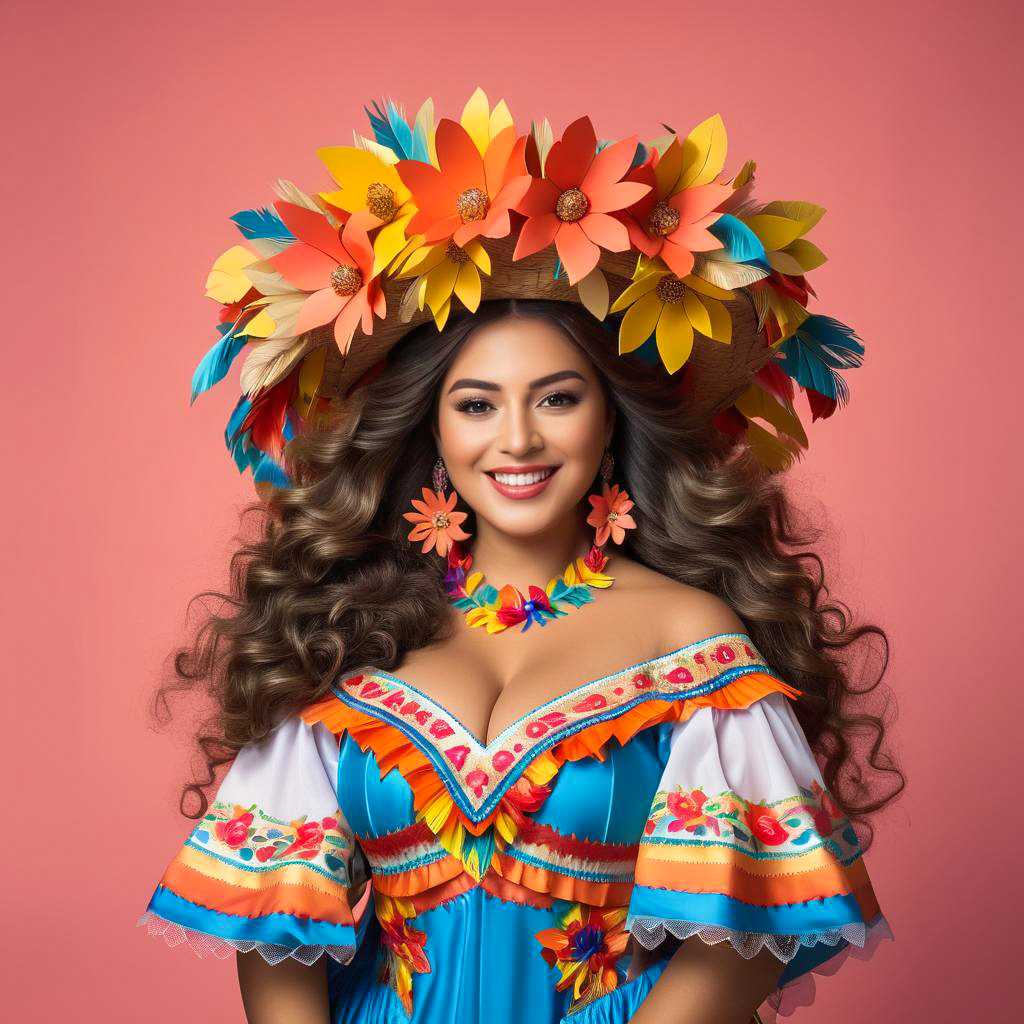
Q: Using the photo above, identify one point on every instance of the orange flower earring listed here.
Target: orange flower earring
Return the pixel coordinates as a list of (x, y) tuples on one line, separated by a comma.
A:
[(437, 522), (610, 516)]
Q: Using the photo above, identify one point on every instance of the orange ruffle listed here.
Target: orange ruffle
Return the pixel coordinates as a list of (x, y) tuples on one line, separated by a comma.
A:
[(434, 805), (563, 887), (739, 694)]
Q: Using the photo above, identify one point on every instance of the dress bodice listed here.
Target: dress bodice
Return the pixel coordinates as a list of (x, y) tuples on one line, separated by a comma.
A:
[(676, 798)]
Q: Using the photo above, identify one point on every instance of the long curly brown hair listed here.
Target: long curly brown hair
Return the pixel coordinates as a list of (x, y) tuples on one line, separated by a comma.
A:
[(331, 581)]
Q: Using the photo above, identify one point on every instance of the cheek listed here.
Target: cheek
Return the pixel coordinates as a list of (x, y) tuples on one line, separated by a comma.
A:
[(580, 435), (463, 442)]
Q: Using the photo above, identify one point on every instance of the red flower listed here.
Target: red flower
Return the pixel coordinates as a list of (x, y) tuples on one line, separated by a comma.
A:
[(336, 269), (610, 514), (823, 823), (766, 826), (572, 205), (235, 832)]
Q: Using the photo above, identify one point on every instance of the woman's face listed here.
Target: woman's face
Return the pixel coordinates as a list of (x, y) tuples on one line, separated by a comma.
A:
[(521, 399)]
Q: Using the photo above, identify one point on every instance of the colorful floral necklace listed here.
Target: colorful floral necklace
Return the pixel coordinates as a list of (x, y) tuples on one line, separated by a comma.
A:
[(497, 610)]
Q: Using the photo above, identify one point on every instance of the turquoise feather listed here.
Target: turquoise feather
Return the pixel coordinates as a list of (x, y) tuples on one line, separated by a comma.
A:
[(262, 224), (216, 363), (391, 129), (819, 348), (741, 244)]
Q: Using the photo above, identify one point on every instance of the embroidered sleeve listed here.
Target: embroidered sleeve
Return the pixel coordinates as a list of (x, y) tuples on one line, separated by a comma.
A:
[(744, 844), (268, 867)]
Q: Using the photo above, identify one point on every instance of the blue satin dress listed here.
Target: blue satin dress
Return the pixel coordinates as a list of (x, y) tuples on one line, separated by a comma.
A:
[(674, 800)]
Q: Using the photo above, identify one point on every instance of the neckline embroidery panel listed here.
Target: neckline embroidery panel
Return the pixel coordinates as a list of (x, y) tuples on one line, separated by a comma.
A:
[(477, 775)]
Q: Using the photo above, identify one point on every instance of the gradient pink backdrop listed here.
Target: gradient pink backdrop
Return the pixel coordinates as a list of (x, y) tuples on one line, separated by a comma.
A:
[(137, 129)]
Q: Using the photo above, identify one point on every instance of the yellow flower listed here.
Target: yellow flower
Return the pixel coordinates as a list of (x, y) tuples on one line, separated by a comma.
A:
[(369, 184), (671, 308), (444, 270)]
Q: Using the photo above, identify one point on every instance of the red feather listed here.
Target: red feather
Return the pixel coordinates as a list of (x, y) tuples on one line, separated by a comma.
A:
[(821, 405)]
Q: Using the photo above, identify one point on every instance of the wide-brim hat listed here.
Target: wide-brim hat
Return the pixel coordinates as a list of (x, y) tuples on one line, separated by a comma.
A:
[(429, 218), (720, 372)]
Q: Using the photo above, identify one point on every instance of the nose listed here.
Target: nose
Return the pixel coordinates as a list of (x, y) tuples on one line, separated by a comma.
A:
[(519, 432)]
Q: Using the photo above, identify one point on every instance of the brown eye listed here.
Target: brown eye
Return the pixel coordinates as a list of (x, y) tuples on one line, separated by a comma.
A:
[(466, 404), (569, 399)]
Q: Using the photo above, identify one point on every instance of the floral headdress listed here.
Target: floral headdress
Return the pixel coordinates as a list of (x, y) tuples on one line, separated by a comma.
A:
[(425, 215)]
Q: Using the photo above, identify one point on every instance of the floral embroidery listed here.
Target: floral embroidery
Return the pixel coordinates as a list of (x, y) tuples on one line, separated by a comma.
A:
[(810, 816), (584, 947), (254, 837), (477, 775), (402, 950)]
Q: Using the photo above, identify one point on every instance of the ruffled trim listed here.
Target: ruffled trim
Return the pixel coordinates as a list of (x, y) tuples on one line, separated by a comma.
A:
[(203, 944), (563, 886), (469, 840)]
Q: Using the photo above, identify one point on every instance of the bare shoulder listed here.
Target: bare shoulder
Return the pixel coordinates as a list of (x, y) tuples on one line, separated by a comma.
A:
[(684, 614)]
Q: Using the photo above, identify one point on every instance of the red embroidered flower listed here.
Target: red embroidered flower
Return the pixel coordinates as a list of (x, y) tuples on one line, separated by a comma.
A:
[(687, 808), (234, 832), (823, 823), (765, 826), (308, 838)]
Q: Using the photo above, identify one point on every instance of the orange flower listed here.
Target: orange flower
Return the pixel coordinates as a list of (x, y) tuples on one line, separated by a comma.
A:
[(610, 514), (337, 270), (572, 204), (436, 523), (672, 220), (472, 193)]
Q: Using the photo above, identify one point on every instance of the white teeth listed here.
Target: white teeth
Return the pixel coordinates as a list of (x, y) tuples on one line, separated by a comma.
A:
[(522, 479)]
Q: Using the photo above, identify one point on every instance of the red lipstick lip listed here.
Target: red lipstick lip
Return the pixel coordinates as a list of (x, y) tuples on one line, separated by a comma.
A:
[(529, 491)]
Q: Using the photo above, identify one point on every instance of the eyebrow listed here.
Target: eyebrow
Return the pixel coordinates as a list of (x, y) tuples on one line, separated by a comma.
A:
[(486, 385)]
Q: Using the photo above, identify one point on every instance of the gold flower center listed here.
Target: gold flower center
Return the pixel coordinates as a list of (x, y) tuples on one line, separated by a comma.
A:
[(473, 204), (664, 219), (572, 205), (670, 289), (456, 253), (346, 280), (613, 515), (440, 521), (380, 201)]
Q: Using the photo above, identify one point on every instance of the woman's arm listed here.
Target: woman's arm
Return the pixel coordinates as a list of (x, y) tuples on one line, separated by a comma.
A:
[(287, 991), (708, 983)]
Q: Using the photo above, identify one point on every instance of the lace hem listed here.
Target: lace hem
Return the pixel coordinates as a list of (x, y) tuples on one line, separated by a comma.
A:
[(650, 932), (204, 944)]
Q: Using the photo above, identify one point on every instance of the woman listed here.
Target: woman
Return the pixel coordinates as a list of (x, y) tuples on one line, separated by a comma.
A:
[(449, 800)]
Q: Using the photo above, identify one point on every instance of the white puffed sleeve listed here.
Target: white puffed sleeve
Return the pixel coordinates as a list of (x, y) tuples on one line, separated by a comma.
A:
[(744, 844), (267, 868)]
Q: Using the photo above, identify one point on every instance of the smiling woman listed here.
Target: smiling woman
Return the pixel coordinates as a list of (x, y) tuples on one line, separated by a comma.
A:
[(626, 789)]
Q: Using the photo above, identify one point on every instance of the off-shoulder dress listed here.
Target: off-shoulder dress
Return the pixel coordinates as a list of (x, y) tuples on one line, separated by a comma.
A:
[(677, 798)]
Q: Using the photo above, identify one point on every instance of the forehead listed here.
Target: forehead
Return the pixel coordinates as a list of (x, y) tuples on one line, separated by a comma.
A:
[(516, 349)]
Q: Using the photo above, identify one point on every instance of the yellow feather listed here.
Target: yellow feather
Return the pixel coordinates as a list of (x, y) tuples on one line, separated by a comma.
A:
[(704, 153)]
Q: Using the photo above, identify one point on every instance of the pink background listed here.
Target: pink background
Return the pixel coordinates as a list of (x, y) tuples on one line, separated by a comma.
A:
[(139, 129)]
